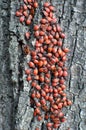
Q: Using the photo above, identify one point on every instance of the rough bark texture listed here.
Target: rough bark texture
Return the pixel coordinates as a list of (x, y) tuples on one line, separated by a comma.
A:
[(15, 111)]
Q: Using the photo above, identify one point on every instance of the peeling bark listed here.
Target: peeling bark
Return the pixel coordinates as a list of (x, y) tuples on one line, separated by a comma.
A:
[(15, 110)]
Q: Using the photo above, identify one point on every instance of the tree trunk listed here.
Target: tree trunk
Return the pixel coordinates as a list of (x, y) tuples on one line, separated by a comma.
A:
[(15, 110)]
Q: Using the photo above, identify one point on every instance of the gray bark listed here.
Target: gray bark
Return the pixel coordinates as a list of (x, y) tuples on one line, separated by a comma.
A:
[(15, 110)]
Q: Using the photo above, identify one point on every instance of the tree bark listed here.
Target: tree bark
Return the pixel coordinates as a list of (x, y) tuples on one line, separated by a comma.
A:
[(15, 110)]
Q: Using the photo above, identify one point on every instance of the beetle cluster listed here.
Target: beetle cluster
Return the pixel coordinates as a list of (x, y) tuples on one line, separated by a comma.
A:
[(26, 13), (47, 72)]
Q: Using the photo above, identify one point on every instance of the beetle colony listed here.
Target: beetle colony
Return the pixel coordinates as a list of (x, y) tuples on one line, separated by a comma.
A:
[(46, 70)]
